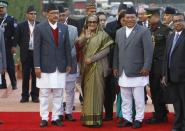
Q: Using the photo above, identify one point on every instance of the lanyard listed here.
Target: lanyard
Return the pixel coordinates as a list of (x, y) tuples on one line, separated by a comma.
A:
[(3, 21)]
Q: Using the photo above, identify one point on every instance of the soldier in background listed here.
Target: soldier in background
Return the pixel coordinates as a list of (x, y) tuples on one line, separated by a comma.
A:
[(159, 35), (8, 24), (168, 16)]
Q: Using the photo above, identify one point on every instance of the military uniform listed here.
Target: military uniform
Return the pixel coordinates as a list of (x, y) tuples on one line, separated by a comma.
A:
[(159, 35), (8, 24)]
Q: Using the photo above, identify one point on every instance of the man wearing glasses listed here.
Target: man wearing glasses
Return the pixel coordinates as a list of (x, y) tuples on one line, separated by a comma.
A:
[(174, 70), (24, 38)]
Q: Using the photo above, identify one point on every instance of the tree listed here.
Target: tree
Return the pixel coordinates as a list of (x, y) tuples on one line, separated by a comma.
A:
[(17, 8)]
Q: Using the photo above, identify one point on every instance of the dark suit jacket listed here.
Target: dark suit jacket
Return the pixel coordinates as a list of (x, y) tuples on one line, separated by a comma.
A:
[(46, 55), (9, 33), (176, 73), (2, 52), (111, 28), (22, 38)]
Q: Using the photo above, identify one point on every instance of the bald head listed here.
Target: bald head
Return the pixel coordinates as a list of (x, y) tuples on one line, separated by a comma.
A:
[(142, 14)]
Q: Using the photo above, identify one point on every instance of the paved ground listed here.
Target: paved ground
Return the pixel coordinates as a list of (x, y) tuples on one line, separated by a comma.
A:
[(10, 102)]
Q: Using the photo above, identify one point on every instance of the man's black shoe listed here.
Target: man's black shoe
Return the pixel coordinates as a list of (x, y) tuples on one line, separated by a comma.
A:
[(43, 123), (35, 100), (61, 117), (155, 120), (137, 124), (125, 124), (14, 87), (57, 122), (24, 100), (69, 117), (107, 119)]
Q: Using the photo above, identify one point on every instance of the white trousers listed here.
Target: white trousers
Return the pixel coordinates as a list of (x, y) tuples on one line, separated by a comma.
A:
[(56, 102), (69, 97), (127, 95)]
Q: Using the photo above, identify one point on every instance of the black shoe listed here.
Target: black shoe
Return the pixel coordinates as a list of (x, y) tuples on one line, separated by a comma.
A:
[(177, 130), (69, 117), (137, 124), (24, 100), (73, 108), (155, 120), (3, 87), (107, 119), (125, 124), (35, 100), (14, 87), (43, 123), (57, 122), (61, 117)]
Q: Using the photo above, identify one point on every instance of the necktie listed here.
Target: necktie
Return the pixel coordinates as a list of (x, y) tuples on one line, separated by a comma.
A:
[(173, 46), (144, 24)]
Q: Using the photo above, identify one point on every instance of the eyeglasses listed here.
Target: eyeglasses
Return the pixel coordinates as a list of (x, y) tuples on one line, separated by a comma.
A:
[(32, 13), (92, 22), (180, 20), (62, 15), (102, 19)]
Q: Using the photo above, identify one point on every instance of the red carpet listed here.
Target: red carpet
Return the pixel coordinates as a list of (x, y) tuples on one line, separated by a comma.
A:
[(29, 121)]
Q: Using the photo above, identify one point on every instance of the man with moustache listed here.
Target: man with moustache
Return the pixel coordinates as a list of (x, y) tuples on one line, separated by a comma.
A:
[(168, 17), (174, 70), (52, 61), (132, 62)]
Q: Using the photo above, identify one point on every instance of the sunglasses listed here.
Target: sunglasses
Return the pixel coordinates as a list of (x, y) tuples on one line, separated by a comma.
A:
[(92, 22), (32, 13), (180, 20)]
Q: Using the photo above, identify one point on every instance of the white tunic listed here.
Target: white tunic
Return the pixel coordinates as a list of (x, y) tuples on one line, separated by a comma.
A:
[(125, 81), (52, 80)]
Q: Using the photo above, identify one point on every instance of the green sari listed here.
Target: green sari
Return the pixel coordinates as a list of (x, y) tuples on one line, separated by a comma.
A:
[(93, 79)]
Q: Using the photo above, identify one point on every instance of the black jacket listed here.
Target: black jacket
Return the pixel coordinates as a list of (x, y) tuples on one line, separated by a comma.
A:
[(176, 71), (22, 38)]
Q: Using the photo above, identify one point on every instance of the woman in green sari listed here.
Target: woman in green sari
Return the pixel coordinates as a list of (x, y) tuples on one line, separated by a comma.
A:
[(94, 44)]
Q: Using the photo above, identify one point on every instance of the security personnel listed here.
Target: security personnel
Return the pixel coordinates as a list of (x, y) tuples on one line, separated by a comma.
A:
[(159, 33), (168, 16), (8, 24)]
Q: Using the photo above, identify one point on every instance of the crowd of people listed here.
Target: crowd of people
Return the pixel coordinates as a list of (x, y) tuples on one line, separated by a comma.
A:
[(119, 60)]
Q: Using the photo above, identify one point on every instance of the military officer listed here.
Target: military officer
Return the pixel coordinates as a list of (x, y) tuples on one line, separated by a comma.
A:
[(159, 33), (8, 24), (168, 16)]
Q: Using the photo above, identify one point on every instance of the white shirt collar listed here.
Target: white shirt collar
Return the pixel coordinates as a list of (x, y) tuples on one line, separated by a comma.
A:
[(128, 31), (178, 32), (29, 23), (53, 26), (127, 28)]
